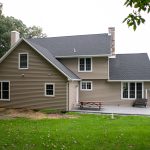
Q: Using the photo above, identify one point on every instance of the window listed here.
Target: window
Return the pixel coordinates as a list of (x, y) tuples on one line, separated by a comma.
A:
[(23, 61), (49, 89), (125, 90), (86, 85), (132, 90), (85, 64), (4, 90)]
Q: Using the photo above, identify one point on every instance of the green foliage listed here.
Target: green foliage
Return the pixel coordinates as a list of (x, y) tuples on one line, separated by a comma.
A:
[(134, 19), (1, 7), (8, 24), (34, 32), (86, 132)]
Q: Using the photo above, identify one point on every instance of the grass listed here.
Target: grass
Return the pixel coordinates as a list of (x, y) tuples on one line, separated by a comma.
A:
[(87, 132)]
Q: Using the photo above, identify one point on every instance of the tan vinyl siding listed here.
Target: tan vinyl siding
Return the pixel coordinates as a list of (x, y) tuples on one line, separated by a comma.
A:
[(99, 68), (102, 91), (107, 92), (27, 86)]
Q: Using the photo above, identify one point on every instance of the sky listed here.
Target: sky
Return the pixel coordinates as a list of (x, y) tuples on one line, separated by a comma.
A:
[(77, 17)]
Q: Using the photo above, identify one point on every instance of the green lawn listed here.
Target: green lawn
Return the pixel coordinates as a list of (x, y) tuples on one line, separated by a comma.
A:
[(87, 132)]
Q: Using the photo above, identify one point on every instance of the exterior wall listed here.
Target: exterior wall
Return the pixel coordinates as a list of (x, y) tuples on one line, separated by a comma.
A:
[(28, 91), (100, 67), (73, 93), (109, 93)]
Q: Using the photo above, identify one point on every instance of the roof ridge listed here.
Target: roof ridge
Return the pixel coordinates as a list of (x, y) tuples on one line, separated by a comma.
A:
[(70, 36)]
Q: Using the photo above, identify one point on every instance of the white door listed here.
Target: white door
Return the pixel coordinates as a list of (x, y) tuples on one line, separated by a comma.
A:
[(77, 94)]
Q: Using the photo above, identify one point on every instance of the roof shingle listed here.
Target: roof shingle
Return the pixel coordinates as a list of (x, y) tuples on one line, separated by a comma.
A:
[(129, 67), (93, 44)]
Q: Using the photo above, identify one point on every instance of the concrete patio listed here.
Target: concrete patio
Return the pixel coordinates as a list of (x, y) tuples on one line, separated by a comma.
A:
[(115, 110)]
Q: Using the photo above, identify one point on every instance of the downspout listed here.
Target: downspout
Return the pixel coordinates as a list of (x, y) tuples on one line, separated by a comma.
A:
[(67, 96), (145, 94), (108, 69)]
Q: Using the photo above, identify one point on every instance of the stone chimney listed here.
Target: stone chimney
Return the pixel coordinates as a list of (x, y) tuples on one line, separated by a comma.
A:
[(111, 31), (15, 36)]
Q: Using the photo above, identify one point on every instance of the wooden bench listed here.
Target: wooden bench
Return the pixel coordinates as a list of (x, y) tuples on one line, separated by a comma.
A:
[(140, 102), (90, 103)]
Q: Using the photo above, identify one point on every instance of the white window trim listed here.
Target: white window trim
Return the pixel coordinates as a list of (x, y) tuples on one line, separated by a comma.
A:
[(2, 92), (85, 64), (129, 90), (19, 61), (86, 83), (53, 89)]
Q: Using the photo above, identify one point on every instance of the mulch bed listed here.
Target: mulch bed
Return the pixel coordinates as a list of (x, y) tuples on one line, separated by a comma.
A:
[(31, 114)]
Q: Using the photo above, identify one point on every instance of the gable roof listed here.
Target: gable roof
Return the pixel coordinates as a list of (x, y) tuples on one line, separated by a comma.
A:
[(48, 56), (129, 67), (73, 46)]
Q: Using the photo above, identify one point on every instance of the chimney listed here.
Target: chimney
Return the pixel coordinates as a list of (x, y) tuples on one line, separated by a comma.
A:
[(15, 36), (111, 31)]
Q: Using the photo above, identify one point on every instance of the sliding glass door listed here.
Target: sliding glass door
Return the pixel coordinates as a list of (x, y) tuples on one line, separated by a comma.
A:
[(132, 90), (139, 90)]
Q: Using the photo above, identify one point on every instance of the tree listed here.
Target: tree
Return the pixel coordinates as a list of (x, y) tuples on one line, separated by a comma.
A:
[(34, 32), (8, 24), (135, 18), (1, 6)]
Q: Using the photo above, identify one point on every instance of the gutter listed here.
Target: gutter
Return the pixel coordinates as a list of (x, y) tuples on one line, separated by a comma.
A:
[(128, 80), (76, 56)]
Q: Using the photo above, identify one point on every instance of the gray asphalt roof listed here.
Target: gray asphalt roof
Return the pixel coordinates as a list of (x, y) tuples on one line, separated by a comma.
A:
[(93, 44), (129, 67), (45, 53)]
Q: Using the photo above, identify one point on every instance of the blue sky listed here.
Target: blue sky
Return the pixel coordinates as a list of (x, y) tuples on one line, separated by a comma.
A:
[(73, 17)]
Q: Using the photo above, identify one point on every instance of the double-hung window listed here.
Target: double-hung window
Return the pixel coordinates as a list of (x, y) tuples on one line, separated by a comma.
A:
[(49, 89), (132, 90), (85, 64), (86, 85), (4, 90), (23, 60)]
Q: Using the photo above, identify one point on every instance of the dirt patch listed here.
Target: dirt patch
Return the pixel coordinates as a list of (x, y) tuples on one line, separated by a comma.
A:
[(31, 114), (21, 113)]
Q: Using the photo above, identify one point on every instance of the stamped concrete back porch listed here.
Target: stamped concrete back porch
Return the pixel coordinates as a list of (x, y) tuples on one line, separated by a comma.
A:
[(123, 110)]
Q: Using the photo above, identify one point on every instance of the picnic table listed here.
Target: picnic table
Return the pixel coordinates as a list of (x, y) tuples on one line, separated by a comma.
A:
[(90, 103)]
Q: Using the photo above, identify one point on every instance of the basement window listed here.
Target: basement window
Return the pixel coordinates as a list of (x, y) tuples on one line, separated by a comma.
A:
[(23, 60)]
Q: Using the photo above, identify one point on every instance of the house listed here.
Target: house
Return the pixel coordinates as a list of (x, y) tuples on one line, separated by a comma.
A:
[(59, 72)]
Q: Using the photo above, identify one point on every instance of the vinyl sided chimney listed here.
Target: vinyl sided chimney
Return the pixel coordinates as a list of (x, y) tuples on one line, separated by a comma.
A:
[(15, 36), (111, 31)]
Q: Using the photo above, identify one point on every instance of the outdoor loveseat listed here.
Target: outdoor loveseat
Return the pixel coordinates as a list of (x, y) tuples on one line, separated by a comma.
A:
[(140, 103)]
